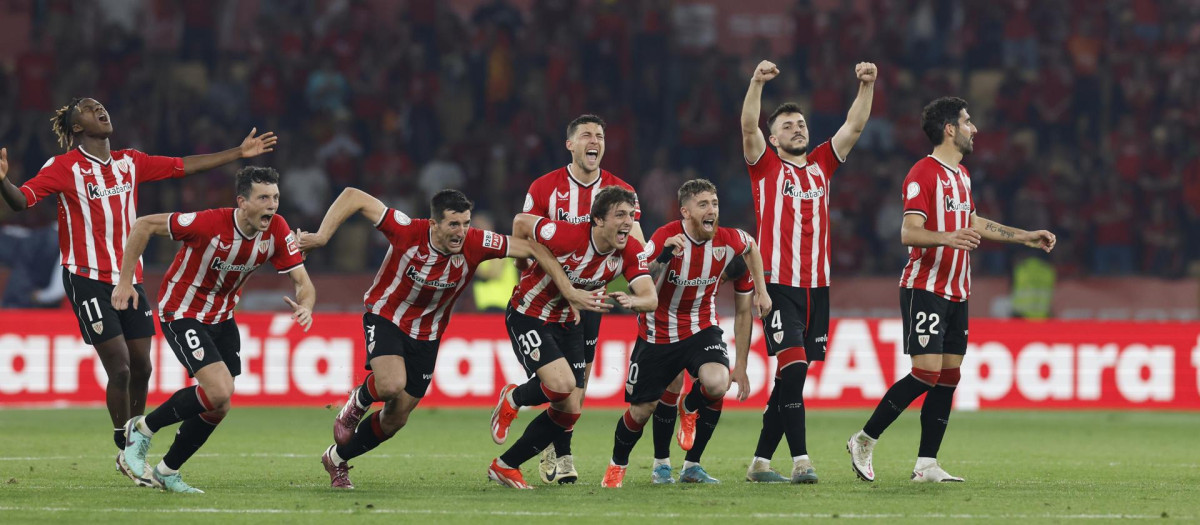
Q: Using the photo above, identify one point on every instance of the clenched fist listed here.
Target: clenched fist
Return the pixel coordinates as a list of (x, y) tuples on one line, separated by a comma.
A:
[(866, 72), (765, 71)]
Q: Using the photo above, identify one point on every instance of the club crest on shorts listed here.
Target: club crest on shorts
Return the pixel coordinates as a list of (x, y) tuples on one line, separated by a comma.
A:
[(778, 337), (923, 340), (198, 354), (371, 347), (535, 354), (98, 327)]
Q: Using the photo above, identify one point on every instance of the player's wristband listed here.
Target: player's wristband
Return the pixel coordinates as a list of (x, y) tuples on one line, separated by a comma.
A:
[(667, 253)]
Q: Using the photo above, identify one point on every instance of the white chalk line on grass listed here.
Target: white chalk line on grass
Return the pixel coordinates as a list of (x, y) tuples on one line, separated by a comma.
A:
[(246, 455), (560, 514)]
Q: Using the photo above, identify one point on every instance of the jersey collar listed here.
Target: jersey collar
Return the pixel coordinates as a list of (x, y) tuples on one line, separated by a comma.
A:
[(94, 158), (571, 175)]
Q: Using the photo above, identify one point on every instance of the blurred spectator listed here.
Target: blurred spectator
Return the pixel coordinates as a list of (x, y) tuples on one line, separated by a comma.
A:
[(32, 254)]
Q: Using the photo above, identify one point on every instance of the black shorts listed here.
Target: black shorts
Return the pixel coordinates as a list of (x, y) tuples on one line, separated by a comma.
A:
[(538, 343), (98, 322), (653, 366), (932, 323), (385, 338), (590, 321), (798, 317), (198, 345)]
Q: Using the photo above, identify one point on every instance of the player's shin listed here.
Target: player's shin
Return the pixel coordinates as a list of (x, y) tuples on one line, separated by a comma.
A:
[(627, 434), (935, 413), (663, 427), (538, 435), (191, 436), (706, 424), (897, 398), (367, 436)]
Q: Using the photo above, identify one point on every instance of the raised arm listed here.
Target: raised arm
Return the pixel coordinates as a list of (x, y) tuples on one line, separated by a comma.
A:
[(845, 138), (351, 201), (754, 262), (743, 327), (914, 234), (12, 195), (306, 294), (753, 143), (123, 294), (994, 231), (251, 146)]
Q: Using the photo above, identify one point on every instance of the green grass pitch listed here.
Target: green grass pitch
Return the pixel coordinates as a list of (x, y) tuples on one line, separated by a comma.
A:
[(262, 466)]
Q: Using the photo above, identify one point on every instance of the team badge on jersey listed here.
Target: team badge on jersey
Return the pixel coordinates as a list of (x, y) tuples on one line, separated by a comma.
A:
[(457, 260), (185, 219), (528, 203), (264, 246), (98, 327), (719, 253), (914, 189), (547, 230), (401, 218), (648, 250), (612, 263)]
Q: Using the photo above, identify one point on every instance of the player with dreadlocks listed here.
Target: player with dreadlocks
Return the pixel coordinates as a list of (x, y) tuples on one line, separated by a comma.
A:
[(97, 205)]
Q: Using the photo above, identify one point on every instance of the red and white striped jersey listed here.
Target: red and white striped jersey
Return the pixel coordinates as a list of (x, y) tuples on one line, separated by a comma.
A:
[(205, 280), (588, 268), (416, 285), (687, 288), (942, 195), (792, 206), (558, 196), (97, 204)]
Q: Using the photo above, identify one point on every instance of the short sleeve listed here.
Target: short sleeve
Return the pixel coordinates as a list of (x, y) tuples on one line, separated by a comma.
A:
[(194, 226), (51, 179), (738, 240), (286, 256), (396, 225), (636, 264), (482, 245), (536, 200), (152, 167), (918, 193), (654, 247), (560, 237), (766, 164), (826, 157)]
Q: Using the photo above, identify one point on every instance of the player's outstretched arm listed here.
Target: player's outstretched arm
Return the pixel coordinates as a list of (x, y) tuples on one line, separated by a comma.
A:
[(753, 143), (754, 262), (579, 299), (252, 146), (306, 294), (743, 326), (11, 193), (914, 234), (644, 297), (351, 201), (994, 231), (860, 110), (123, 295)]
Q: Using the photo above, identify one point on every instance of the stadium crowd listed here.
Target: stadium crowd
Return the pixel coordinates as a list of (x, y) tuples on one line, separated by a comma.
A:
[(1088, 110)]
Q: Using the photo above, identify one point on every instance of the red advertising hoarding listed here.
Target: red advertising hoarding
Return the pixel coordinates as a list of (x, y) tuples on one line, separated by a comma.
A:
[(1010, 364)]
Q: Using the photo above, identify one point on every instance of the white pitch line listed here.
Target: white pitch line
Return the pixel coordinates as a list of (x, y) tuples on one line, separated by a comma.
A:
[(245, 455), (519, 513)]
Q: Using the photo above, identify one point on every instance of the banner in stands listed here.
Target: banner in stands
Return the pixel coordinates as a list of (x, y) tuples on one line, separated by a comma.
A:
[(1009, 365)]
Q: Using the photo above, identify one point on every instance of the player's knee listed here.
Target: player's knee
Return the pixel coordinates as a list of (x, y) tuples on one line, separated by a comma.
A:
[(641, 412), (140, 372), (559, 386), (389, 389), (571, 404), (118, 377)]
